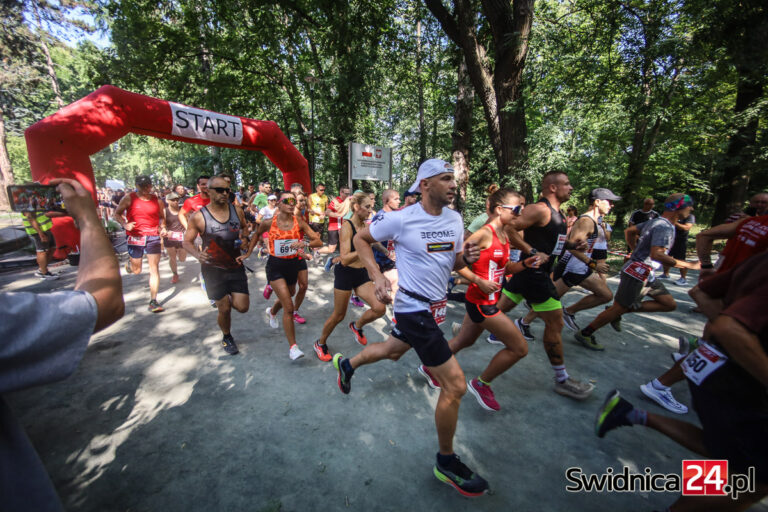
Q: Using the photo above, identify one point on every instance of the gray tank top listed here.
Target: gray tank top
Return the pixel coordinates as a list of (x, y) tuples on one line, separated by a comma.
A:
[(221, 240)]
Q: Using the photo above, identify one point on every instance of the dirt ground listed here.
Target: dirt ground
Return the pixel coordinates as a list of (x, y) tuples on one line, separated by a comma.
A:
[(158, 418)]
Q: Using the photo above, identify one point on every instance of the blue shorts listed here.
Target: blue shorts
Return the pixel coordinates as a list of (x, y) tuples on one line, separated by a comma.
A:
[(152, 247)]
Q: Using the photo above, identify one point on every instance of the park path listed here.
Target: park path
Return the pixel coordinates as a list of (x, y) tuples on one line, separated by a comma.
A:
[(158, 418)]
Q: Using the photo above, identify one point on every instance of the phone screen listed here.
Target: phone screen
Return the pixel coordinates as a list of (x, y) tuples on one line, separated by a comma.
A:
[(35, 198)]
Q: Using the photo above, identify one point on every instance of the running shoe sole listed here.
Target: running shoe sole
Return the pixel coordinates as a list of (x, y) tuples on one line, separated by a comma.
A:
[(447, 480), (472, 390), (426, 376)]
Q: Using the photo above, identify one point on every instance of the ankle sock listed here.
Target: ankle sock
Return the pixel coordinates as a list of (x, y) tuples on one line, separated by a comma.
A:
[(560, 374), (481, 381), (588, 330), (637, 417), (445, 460)]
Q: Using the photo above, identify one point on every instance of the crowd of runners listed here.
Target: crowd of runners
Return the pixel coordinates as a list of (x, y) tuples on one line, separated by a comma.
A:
[(404, 257)]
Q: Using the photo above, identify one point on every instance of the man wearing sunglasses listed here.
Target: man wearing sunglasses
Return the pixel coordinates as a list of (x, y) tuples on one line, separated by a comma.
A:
[(649, 241), (221, 227), (577, 268)]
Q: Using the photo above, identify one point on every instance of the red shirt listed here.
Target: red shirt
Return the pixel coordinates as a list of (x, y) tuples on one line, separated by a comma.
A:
[(490, 267), (334, 223), (194, 203), (751, 238), (146, 215)]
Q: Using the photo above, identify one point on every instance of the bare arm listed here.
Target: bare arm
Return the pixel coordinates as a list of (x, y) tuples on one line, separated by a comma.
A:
[(345, 235), (742, 345), (363, 241), (659, 254), (98, 272), (630, 236), (125, 202), (195, 227), (706, 238), (709, 306), (314, 238)]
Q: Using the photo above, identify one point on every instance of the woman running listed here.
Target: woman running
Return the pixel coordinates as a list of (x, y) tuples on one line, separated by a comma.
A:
[(350, 274), (175, 235), (285, 265), (485, 277)]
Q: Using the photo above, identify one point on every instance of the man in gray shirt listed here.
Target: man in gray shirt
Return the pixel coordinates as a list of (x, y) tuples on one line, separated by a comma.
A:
[(649, 241), (44, 338)]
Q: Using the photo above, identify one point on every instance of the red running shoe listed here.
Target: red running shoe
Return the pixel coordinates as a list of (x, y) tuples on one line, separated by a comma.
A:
[(359, 336), (484, 395), (267, 292), (427, 375)]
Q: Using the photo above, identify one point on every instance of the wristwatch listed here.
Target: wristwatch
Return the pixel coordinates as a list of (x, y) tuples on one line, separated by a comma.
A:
[(533, 252)]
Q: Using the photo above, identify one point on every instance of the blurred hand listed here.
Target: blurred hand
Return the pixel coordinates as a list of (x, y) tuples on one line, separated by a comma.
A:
[(383, 290), (471, 252), (77, 199), (488, 287)]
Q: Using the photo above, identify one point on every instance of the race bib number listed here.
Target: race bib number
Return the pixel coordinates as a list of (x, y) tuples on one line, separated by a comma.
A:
[(559, 246), (702, 362), (176, 236), (138, 241), (438, 310), (497, 276), (638, 270), (283, 248)]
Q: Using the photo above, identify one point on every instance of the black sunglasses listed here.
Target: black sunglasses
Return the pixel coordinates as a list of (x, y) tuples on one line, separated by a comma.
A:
[(220, 190)]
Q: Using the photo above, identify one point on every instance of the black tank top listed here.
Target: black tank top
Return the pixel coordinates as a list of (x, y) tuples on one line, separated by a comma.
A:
[(590, 241), (172, 222), (221, 240), (549, 239)]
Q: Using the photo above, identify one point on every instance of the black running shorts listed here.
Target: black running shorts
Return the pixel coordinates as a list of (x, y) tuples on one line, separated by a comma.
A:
[(599, 254), (419, 330), (631, 291), (220, 282), (479, 312), (570, 279), (733, 431), (284, 268), (333, 237), (534, 285), (348, 278)]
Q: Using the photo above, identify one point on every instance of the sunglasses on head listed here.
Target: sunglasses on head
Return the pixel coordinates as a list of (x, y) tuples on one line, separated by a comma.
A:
[(220, 190), (288, 200), (514, 209)]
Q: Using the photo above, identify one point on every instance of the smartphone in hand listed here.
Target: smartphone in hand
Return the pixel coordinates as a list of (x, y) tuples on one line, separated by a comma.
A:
[(34, 197)]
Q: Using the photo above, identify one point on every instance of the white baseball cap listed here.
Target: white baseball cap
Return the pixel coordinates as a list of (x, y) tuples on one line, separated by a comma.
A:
[(429, 168)]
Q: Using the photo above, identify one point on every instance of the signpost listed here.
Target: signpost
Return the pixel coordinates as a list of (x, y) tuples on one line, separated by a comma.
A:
[(368, 162)]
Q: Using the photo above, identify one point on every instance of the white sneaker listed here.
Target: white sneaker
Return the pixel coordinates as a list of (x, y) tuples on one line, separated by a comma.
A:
[(570, 321), (493, 340), (455, 328), (295, 352), (664, 398), (273, 323), (681, 282)]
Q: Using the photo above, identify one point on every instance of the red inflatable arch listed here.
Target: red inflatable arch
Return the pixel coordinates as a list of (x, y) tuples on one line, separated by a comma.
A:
[(60, 145)]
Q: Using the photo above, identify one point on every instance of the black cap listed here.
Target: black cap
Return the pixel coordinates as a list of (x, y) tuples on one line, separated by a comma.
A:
[(603, 193), (143, 181)]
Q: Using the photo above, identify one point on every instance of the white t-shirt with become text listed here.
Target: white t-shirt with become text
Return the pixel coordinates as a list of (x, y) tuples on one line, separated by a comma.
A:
[(425, 246)]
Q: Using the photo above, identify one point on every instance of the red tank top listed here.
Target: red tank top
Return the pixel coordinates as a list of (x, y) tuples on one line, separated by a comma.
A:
[(146, 215), (490, 266), (279, 241)]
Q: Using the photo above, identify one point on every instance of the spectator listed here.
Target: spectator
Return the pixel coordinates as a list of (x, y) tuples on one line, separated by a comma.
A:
[(45, 336)]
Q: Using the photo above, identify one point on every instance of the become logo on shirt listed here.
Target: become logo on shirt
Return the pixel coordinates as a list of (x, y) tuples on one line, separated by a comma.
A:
[(440, 247)]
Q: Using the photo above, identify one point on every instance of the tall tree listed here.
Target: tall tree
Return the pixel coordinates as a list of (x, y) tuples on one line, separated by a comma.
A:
[(497, 76)]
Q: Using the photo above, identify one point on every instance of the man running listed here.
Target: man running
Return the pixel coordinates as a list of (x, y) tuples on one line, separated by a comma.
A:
[(577, 268), (221, 227), (144, 224), (429, 240), (195, 202), (637, 280), (727, 377), (386, 260), (318, 202), (545, 235)]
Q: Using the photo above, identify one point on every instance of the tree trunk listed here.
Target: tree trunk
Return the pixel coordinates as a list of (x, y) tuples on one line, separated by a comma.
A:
[(48, 61), (6, 171), (420, 88), (462, 133), (734, 182)]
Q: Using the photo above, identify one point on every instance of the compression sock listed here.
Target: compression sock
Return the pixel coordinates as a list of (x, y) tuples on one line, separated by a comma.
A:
[(588, 330), (637, 417), (560, 374), (444, 460)]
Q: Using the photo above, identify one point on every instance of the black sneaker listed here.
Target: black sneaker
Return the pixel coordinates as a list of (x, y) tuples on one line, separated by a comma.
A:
[(460, 477), (155, 306), (525, 330), (345, 378), (228, 344), (612, 414)]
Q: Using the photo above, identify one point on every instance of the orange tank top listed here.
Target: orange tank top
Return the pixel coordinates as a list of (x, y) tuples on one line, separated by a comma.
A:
[(279, 241)]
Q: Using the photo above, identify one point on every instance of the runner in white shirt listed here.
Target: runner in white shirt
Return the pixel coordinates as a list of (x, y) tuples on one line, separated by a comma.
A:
[(429, 240)]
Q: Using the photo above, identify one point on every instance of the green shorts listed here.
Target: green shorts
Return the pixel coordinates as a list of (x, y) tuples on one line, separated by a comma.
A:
[(534, 286)]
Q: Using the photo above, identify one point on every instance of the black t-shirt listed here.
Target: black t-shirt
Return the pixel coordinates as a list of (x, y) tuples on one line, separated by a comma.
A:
[(639, 216), (681, 235)]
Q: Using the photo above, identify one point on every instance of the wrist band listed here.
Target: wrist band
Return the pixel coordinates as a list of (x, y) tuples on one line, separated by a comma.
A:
[(707, 266)]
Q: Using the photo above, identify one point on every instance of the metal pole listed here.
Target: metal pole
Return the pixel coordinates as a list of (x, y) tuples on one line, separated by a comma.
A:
[(312, 103), (349, 166)]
